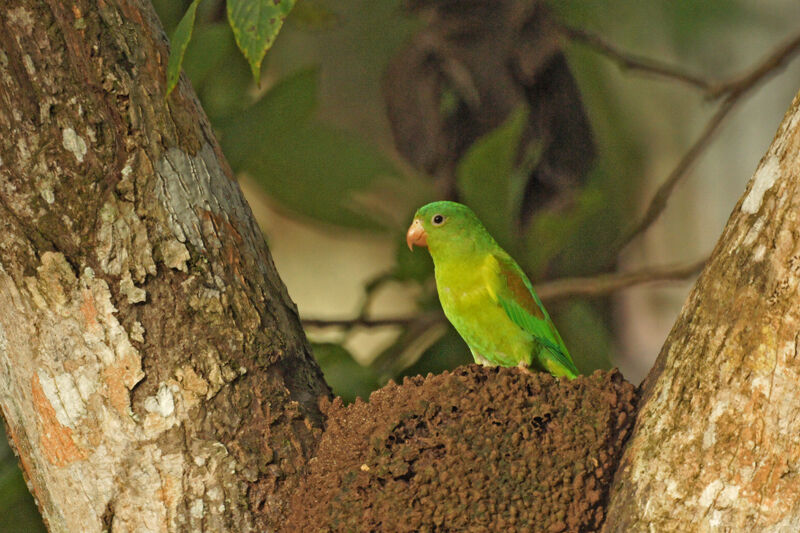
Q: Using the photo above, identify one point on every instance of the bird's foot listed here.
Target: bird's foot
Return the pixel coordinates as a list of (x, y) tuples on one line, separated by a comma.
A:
[(524, 367)]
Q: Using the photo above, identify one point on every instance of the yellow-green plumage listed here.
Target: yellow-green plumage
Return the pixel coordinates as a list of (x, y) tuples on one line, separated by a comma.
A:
[(486, 296)]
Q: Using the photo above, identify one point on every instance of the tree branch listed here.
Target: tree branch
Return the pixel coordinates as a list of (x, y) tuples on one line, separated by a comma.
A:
[(659, 201), (733, 91), (722, 397), (633, 62), (774, 62), (103, 236), (609, 283), (357, 321), (590, 286)]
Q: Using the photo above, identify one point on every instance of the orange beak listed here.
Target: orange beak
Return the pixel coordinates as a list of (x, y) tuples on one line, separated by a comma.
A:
[(416, 235)]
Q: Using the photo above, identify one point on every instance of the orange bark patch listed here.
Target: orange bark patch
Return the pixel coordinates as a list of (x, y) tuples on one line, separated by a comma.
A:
[(55, 438), (88, 309), (167, 492), (221, 224), (119, 377)]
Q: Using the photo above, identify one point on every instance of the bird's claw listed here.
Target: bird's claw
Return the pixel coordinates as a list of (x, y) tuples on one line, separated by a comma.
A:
[(524, 368)]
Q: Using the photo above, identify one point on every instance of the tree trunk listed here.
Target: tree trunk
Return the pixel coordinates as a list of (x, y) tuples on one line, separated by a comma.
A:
[(716, 446), (153, 372)]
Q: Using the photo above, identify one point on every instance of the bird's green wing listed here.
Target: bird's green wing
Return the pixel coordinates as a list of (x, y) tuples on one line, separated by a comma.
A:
[(512, 290)]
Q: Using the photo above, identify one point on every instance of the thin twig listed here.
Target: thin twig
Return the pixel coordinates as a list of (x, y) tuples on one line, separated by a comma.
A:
[(777, 60), (600, 285), (357, 321), (734, 92), (628, 61), (371, 291), (659, 201), (608, 283)]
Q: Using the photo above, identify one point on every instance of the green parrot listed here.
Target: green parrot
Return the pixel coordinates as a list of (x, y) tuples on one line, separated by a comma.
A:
[(485, 294)]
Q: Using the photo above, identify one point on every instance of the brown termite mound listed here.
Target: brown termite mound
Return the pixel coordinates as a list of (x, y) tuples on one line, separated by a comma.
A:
[(473, 449)]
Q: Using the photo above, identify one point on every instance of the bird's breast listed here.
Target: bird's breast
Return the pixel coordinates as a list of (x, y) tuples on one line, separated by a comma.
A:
[(479, 318)]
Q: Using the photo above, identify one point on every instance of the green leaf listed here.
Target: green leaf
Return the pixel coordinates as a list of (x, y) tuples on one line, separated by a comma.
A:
[(587, 238), (416, 265), (255, 25), (321, 172), (449, 352), (210, 45), (486, 176), (391, 200), (312, 15), (586, 335), (550, 232), (226, 92), (346, 377), (287, 105), (169, 13), (180, 40), (309, 167)]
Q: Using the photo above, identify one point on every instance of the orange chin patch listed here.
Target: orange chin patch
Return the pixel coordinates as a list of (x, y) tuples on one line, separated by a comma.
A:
[(416, 235)]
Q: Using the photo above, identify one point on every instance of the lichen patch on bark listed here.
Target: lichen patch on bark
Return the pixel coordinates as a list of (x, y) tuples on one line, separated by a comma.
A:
[(74, 144)]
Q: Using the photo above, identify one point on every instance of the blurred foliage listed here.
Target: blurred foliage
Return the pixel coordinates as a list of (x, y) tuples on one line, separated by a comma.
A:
[(313, 135), (446, 354), (311, 130), (255, 25), (18, 513), (343, 373), (180, 40), (306, 165), (584, 324), (490, 180)]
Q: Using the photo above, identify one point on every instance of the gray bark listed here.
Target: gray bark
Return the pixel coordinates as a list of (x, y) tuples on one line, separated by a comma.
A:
[(716, 445), (153, 372)]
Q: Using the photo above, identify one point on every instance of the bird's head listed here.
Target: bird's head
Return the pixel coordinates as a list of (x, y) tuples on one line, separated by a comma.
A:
[(444, 224)]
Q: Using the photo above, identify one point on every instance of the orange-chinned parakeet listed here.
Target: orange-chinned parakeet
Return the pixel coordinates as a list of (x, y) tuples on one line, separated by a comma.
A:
[(485, 294)]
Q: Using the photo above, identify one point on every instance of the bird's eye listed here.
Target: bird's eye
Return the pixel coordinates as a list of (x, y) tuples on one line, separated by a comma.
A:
[(437, 220)]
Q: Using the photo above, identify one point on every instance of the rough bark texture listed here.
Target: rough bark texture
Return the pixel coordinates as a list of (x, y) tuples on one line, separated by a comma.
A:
[(716, 446), (153, 372)]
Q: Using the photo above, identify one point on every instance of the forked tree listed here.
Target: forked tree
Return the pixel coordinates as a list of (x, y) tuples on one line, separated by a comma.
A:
[(154, 372)]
